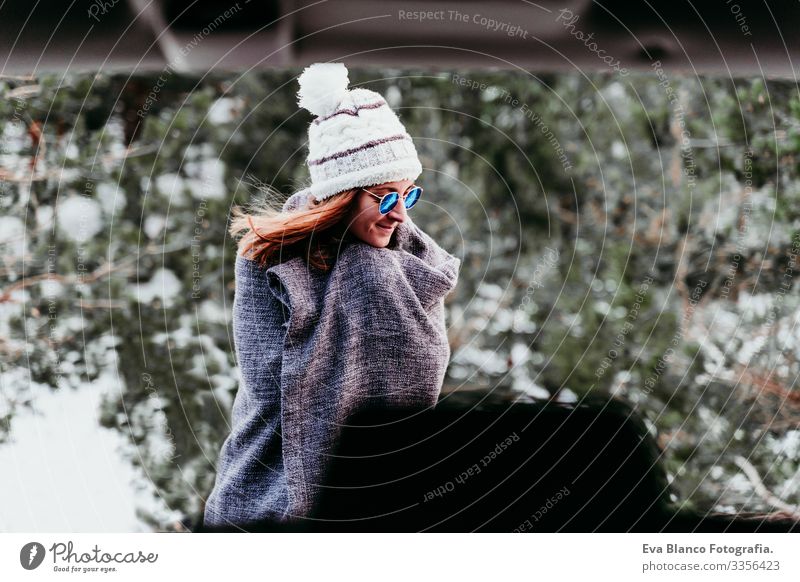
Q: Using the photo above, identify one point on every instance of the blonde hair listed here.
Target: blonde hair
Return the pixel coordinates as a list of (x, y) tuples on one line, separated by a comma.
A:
[(315, 232)]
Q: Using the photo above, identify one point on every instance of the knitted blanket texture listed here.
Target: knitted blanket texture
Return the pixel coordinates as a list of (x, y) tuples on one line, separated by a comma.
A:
[(313, 348)]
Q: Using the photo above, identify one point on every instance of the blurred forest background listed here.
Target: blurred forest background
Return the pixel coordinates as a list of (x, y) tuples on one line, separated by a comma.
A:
[(635, 236)]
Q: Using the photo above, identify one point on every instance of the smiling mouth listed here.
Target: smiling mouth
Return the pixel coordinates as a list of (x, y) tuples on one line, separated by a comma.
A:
[(386, 228)]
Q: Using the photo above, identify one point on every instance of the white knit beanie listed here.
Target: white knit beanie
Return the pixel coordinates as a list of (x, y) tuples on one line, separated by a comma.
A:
[(356, 139)]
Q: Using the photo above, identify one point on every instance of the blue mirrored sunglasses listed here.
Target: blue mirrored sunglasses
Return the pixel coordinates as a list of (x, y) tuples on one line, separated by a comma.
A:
[(388, 201)]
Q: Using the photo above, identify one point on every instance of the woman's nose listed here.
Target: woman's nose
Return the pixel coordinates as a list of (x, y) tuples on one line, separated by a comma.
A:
[(398, 213)]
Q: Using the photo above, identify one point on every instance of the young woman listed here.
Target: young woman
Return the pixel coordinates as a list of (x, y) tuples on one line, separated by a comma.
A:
[(339, 304)]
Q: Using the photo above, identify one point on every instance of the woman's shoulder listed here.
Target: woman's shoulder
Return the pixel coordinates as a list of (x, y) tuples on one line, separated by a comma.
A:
[(250, 266), (297, 200), (247, 266), (253, 277)]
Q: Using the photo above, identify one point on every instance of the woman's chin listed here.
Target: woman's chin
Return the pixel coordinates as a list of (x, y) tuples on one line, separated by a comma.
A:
[(381, 238)]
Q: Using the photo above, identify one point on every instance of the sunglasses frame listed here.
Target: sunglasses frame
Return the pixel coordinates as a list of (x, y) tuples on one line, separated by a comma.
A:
[(404, 196)]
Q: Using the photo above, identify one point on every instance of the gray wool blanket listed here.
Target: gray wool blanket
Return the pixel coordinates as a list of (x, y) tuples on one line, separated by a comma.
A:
[(313, 348)]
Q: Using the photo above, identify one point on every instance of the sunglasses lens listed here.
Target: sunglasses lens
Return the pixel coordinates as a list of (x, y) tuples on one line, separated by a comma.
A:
[(388, 202), (413, 196)]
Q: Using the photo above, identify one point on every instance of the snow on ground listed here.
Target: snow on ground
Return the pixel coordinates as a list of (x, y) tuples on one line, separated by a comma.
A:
[(63, 472)]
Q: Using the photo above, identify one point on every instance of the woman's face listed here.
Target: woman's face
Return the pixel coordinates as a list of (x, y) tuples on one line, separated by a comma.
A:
[(366, 221)]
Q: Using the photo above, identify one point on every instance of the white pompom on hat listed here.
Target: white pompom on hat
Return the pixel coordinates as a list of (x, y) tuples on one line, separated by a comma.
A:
[(356, 139), (322, 87)]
